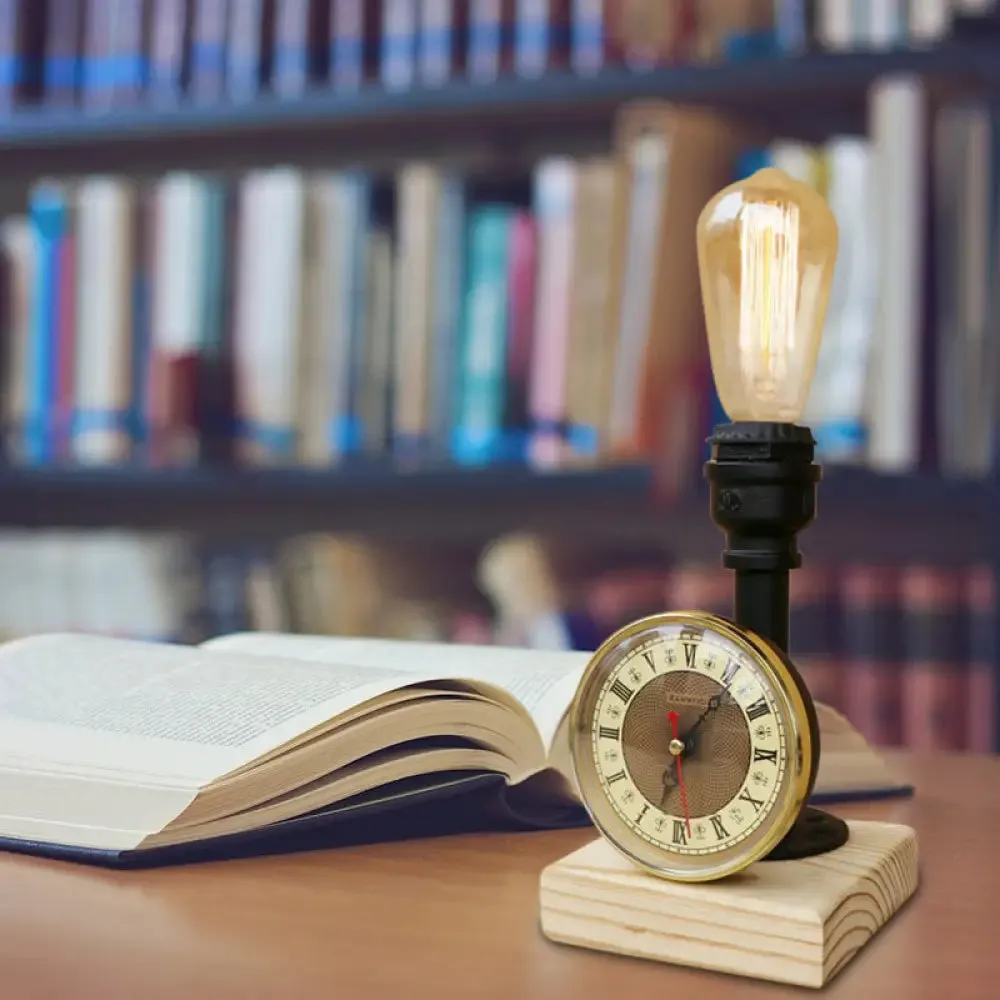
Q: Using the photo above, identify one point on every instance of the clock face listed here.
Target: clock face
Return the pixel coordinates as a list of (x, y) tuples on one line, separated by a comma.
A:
[(691, 745)]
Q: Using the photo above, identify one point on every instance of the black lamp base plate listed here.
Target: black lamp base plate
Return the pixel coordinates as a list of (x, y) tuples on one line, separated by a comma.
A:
[(814, 832)]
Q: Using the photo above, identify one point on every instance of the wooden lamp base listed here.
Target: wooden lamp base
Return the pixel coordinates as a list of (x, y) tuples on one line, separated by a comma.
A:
[(794, 922)]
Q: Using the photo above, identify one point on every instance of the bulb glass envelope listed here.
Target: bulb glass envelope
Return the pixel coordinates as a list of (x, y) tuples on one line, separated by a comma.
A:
[(767, 247)]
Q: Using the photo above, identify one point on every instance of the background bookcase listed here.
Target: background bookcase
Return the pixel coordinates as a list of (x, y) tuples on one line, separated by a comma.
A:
[(435, 507)]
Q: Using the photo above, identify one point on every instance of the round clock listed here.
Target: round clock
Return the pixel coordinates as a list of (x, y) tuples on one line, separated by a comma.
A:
[(695, 744)]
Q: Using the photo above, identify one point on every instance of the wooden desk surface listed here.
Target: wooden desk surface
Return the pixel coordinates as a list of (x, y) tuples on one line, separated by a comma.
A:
[(457, 917)]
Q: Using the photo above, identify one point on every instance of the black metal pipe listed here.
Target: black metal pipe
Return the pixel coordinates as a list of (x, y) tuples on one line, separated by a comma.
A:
[(761, 604), (762, 489)]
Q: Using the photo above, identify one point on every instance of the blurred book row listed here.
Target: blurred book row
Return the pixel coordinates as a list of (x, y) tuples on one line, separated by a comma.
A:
[(291, 317), (103, 54), (907, 653)]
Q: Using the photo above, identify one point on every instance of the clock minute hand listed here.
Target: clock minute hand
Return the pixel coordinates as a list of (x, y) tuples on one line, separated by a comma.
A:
[(716, 701)]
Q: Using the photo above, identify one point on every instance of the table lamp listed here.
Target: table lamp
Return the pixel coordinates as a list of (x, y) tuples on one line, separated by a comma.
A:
[(694, 739), (767, 247)]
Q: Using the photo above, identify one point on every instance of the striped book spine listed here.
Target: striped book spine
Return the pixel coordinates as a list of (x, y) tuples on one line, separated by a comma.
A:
[(168, 50), (872, 652), (354, 49), (489, 49), (208, 49), (63, 61), (542, 36), (399, 42), (934, 689)]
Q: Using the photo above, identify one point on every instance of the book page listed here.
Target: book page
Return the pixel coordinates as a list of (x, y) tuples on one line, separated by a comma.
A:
[(543, 681), (87, 703)]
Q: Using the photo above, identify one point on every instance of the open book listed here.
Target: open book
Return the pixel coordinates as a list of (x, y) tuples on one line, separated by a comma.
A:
[(129, 753)]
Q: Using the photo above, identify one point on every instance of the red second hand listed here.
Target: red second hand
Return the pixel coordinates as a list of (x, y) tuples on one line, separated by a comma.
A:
[(672, 716)]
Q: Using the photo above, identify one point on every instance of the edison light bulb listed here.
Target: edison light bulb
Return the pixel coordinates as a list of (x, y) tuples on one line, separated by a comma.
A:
[(767, 247)]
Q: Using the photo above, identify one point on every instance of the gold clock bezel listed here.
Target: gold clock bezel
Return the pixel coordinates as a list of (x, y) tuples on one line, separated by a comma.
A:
[(799, 715)]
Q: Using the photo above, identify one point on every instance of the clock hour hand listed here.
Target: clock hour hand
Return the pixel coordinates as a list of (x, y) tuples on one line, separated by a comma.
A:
[(669, 780)]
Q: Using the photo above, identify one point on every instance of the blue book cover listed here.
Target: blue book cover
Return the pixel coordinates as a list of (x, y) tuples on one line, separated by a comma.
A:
[(479, 430), (347, 432), (49, 214)]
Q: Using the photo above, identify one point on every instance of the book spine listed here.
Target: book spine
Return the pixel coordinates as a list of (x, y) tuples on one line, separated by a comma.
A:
[(216, 388), (981, 705), (589, 49), (22, 52), (11, 69), (648, 33), (299, 57), (179, 261), (65, 353), (555, 197), (699, 586), (836, 25), (897, 129), (209, 49), (418, 192), (441, 48), (63, 65), (929, 22), (837, 397), (934, 689), (479, 423), (399, 43), (138, 332), (542, 40), (793, 26), (96, 90), (523, 260), (246, 47), (129, 63), (872, 652), (449, 285), (18, 256), (882, 24), (375, 404), (490, 47), (168, 52), (269, 334), (291, 48), (813, 640), (348, 431), (49, 214), (354, 42), (105, 261)]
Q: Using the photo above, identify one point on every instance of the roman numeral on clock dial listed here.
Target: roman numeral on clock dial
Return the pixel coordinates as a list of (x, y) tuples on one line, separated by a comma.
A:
[(729, 673), (690, 637), (745, 796), (765, 756), (680, 832), (720, 831), (608, 732), (757, 709), (622, 690)]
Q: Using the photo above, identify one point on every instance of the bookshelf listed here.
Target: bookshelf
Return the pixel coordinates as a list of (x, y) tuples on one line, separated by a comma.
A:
[(887, 517), (502, 127), (806, 96)]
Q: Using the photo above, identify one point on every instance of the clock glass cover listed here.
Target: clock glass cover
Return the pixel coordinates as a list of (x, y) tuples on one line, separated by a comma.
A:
[(694, 744)]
